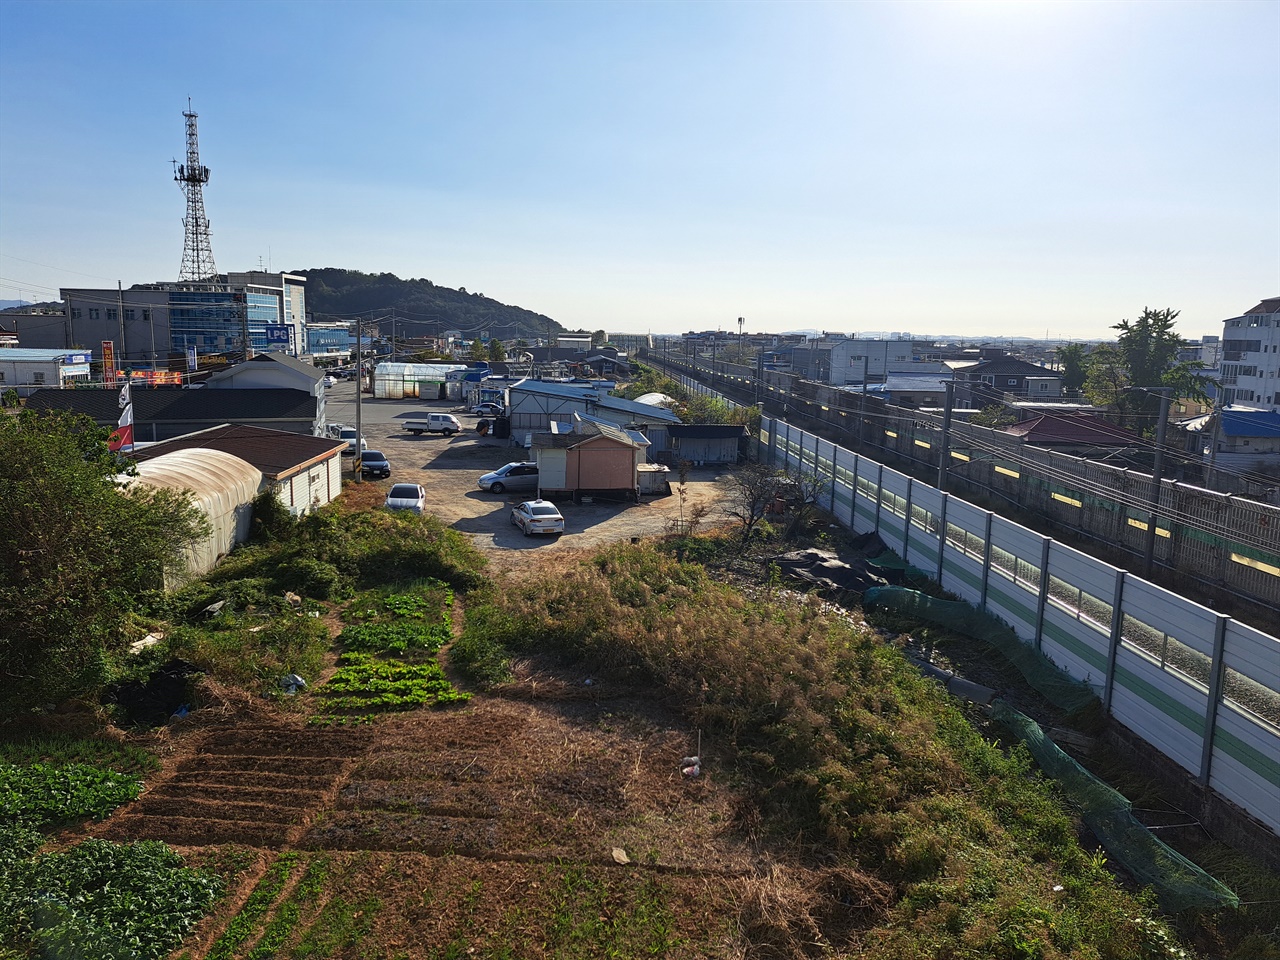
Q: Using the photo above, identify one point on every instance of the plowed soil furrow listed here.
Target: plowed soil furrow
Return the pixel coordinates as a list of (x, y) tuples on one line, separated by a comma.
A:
[(282, 813), (382, 830), (427, 797), (285, 742), (282, 764), (236, 793), (192, 832), (258, 779)]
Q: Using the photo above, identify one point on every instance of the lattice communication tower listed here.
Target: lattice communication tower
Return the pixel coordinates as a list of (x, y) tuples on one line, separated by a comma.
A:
[(197, 254)]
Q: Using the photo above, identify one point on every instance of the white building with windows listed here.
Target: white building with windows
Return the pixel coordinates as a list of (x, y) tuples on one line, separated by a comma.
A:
[(1251, 357), (27, 369), (842, 361)]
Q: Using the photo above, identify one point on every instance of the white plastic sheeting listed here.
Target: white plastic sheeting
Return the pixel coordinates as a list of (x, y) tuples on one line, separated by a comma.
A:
[(655, 399), (223, 487), (395, 381)]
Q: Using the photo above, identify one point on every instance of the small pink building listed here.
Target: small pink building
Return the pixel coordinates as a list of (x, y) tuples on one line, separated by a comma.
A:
[(595, 459)]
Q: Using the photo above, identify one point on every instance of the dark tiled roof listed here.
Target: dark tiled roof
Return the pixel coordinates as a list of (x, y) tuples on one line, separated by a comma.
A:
[(1007, 367), (1074, 429), (705, 431), (176, 405), (276, 453)]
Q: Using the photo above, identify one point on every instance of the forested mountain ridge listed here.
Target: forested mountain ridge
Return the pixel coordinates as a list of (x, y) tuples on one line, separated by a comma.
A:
[(421, 307)]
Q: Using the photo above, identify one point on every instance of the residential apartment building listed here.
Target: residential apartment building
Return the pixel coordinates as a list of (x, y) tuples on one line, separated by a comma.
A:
[(1251, 357)]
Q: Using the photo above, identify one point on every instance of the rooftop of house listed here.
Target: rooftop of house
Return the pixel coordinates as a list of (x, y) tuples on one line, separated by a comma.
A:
[(276, 453), (175, 404), (1073, 428)]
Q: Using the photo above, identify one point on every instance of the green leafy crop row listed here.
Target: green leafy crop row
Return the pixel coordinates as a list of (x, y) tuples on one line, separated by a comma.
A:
[(364, 683), (41, 796), (103, 900), (397, 637)]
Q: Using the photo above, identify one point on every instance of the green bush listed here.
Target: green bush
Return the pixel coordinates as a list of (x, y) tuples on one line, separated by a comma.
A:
[(315, 578), (271, 518), (254, 652)]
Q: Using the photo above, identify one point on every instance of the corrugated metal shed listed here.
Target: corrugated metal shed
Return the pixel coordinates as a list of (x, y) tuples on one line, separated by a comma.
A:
[(223, 487)]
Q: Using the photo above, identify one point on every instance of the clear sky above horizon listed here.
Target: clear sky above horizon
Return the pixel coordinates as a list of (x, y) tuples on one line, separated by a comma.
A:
[(1036, 169)]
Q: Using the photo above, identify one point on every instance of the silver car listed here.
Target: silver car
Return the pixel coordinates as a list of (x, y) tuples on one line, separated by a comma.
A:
[(406, 496), (538, 516), (520, 475)]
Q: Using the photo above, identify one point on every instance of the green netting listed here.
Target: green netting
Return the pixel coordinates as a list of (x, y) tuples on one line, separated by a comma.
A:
[(1180, 884), (894, 569), (1055, 685)]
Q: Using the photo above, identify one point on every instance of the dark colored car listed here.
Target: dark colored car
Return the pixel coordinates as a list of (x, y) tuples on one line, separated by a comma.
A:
[(374, 464)]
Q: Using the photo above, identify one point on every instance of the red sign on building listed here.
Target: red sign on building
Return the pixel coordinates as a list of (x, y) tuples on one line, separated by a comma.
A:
[(109, 363)]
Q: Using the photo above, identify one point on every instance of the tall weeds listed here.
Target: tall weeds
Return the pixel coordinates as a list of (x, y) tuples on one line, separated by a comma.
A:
[(846, 747)]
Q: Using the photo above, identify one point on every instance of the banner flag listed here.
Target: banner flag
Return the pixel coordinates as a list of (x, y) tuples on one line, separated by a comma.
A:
[(121, 438)]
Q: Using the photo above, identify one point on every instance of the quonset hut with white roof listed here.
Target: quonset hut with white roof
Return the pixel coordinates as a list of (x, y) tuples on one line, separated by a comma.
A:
[(222, 486)]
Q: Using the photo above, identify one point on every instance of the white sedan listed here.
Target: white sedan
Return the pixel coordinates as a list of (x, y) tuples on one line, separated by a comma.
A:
[(406, 496), (538, 516)]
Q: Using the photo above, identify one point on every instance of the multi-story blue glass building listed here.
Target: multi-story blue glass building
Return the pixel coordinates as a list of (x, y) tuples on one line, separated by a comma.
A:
[(160, 324)]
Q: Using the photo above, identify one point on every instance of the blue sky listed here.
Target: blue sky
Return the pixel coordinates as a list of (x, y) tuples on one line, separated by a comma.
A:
[(964, 168)]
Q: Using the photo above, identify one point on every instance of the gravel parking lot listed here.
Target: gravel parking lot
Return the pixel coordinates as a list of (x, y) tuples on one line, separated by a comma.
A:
[(447, 467)]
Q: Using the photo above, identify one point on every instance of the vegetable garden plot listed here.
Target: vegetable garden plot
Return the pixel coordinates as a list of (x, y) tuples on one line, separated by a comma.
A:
[(240, 792)]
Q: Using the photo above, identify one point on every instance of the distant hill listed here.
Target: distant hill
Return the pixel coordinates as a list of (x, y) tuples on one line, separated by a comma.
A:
[(421, 308), (26, 306)]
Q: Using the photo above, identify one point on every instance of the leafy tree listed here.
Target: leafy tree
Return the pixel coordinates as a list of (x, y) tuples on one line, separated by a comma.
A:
[(648, 379), (429, 355), (751, 489), (599, 337), (78, 551), (1145, 355), (497, 352), (806, 488), (478, 350), (1074, 360), (996, 415), (701, 408)]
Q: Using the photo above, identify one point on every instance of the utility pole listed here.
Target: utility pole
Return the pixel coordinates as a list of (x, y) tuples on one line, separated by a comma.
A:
[(120, 309), (1157, 476), (1215, 424), (359, 390), (944, 463)]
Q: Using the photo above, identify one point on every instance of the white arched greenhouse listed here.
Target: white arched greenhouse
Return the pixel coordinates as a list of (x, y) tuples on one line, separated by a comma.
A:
[(425, 381), (222, 486)]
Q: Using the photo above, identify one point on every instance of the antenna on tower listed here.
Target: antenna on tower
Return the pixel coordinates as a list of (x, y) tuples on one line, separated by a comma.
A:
[(197, 254)]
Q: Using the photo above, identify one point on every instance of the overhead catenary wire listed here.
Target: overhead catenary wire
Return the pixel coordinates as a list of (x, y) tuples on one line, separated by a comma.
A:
[(1138, 443), (1169, 512)]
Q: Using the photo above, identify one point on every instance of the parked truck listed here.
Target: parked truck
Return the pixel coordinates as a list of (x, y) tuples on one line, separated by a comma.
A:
[(445, 423)]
